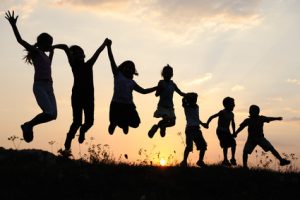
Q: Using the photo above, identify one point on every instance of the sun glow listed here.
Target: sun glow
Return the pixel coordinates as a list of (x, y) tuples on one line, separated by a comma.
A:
[(162, 162)]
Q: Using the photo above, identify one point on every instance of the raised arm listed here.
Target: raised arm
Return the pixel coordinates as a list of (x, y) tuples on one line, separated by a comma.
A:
[(10, 16), (141, 90), (93, 59), (113, 64), (65, 48)]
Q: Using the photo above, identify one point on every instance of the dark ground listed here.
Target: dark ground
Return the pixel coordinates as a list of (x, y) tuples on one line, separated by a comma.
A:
[(36, 174)]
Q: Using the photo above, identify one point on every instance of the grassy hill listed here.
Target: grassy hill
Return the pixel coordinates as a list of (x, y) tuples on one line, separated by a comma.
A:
[(37, 174)]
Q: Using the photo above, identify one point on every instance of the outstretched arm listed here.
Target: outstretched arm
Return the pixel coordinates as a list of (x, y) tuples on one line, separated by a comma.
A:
[(274, 118), (141, 90), (113, 64), (93, 59), (10, 16), (179, 91), (211, 118), (65, 48)]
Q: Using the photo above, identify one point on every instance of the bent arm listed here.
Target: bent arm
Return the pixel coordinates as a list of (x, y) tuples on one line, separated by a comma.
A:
[(179, 91), (211, 118), (65, 48)]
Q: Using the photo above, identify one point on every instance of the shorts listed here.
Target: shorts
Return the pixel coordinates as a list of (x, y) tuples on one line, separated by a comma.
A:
[(44, 95), (194, 134), (260, 141), (164, 112), (123, 115), (226, 139)]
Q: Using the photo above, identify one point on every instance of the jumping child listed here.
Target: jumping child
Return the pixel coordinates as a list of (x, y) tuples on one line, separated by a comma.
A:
[(43, 84)]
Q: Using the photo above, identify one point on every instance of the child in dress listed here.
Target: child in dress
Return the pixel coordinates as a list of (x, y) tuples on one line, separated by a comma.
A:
[(43, 84), (255, 123), (123, 111), (193, 132), (165, 107)]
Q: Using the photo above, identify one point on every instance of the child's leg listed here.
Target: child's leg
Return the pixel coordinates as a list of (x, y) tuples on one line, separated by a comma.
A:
[(88, 120), (233, 149), (245, 159), (164, 123)]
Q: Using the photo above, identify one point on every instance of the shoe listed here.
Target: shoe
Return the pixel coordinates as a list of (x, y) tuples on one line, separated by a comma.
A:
[(233, 161), (68, 142), (183, 164), (162, 132), (27, 132), (200, 163), (152, 131), (284, 162), (125, 130), (226, 163), (65, 153), (81, 137), (111, 128)]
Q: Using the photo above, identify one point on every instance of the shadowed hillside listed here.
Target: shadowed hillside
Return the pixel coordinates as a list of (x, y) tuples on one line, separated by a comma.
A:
[(37, 174)]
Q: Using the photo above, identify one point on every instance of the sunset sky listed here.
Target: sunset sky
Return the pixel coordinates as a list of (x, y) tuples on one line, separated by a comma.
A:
[(248, 50)]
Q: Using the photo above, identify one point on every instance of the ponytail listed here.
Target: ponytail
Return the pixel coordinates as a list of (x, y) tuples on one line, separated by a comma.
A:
[(28, 58)]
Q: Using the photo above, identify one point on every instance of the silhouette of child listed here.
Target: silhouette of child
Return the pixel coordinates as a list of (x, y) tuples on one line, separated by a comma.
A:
[(255, 123), (43, 84), (83, 90), (165, 107), (122, 108), (193, 132), (226, 139)]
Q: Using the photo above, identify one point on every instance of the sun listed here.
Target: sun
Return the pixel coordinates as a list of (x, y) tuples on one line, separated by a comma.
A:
[(162, 162)]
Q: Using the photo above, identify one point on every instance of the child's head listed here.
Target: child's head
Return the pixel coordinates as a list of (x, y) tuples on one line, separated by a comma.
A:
[(190, 99), (128, 69), (44, 41), (228, 103), (77, 53), (167, 72), (254, 111)]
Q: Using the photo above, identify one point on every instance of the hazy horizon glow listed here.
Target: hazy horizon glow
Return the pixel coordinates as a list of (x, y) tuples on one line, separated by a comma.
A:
[(244, 49)]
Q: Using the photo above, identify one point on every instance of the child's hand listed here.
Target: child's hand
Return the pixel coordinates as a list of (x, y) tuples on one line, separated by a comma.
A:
[(234, 135), (11, 17), (108, 42), (280, 118)]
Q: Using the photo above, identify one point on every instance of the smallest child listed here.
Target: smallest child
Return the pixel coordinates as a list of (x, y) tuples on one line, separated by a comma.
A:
[(193, 132), (255, 124)]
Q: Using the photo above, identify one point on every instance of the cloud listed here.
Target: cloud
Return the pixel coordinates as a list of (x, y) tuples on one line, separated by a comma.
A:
[(277, 99), (177, 15), (293, 81), (199, 80), (22, 7), (237, 88), (292, 119)]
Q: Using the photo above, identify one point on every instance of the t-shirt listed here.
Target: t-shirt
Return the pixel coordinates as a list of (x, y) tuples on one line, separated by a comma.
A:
[(192, 115), (166, 95), (83, 79), (123, 88), (224, 120), (42, 66), (255, 125)]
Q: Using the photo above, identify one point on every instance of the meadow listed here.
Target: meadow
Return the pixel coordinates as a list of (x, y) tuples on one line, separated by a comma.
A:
[(39, 174)]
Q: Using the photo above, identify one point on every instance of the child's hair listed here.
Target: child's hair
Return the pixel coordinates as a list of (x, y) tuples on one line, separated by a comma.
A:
[(128, 65), (44, 40), (227, 101), (166, 69), (190, 99), (75, 50), (254, 110)]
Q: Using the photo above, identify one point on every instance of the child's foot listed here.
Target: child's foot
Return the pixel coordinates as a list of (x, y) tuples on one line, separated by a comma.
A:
[(183, 164), (284, 162), (200, 163), (233, 161), (111, 128), (162, 132), (125, 130), (152, 131), (27, 132), (226, 163), (81, 137), (65, 153)]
